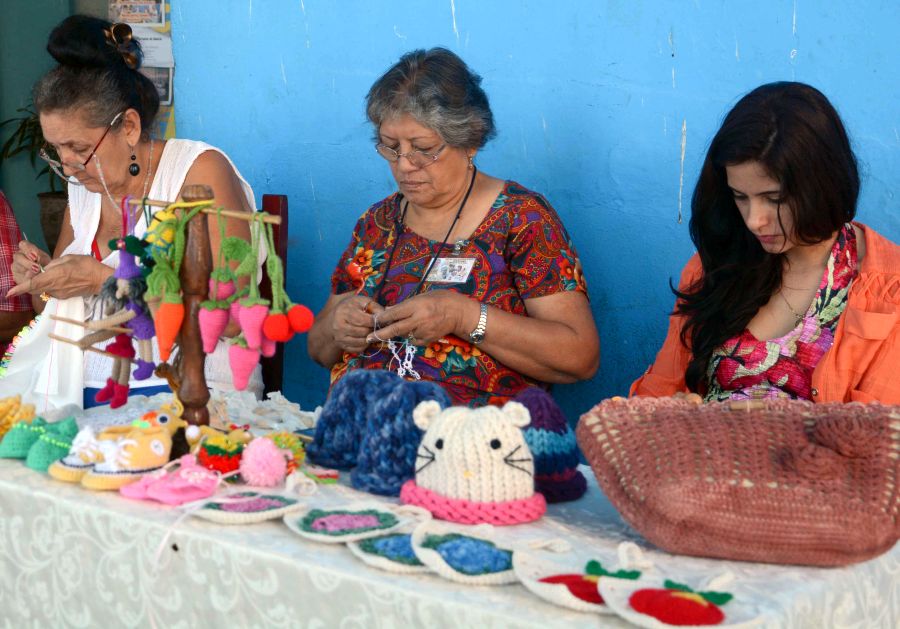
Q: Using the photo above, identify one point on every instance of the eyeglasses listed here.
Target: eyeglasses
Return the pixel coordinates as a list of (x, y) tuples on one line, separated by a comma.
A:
[(419, 159), (57, 165)]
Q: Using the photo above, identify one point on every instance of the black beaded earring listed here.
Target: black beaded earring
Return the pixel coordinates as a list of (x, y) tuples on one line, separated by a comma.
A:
[(134, 169)]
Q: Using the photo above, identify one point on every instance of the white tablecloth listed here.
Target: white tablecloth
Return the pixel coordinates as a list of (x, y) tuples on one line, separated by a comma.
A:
[(71, 557)]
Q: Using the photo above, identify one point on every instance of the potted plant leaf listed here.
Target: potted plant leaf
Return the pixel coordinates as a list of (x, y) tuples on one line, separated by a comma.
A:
[(28, 138)]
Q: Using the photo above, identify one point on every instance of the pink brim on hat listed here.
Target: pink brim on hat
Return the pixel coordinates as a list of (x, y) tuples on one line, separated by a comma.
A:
[(471, 511)]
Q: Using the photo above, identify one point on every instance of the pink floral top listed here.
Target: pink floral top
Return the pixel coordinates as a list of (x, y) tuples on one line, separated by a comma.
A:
[(521, 251), (746, 368)]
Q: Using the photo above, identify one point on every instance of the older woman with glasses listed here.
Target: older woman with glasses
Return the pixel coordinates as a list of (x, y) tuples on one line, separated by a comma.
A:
[(96, 113), (458, 277)]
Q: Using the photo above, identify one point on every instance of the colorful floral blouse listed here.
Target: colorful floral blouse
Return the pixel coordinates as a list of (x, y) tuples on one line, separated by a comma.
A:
[(521, 251), (747, 368)]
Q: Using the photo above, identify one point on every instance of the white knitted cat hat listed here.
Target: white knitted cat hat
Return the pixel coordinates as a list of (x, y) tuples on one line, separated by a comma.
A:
[(474, 466)]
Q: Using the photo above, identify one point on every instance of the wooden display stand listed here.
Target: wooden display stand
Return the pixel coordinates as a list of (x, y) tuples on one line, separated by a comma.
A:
[(189, 379)]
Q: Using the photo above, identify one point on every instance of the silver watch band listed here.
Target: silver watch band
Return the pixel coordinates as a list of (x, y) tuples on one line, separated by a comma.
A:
[(476, 336)]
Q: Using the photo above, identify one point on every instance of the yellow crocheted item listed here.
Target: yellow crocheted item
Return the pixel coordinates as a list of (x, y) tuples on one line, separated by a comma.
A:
[(12, 411)]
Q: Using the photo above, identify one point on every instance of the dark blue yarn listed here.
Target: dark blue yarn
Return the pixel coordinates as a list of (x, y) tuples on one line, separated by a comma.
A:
[(340, 428), (387, 455)]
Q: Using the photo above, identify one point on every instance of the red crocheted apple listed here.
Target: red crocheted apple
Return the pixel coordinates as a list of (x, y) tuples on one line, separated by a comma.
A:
[(584, 586), (679, 605)]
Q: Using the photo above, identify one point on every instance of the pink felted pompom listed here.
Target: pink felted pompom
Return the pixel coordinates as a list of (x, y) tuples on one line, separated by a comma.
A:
[(264, 464)]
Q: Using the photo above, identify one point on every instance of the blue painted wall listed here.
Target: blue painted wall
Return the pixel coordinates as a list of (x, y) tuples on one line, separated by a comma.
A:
[(606, 107)]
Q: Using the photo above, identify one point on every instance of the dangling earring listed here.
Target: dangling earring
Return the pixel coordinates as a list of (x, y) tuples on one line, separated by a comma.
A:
[(471, 164), (134, 169)]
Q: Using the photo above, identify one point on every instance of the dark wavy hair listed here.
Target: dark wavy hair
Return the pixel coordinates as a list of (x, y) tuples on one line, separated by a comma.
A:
[(797, 136), (97, 73), (439, 90)]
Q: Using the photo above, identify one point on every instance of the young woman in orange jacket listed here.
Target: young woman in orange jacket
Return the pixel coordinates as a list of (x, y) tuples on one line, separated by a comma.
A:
[(787, 296)]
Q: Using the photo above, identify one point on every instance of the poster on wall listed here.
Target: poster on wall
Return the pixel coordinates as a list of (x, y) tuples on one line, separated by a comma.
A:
[(150, 23), (148, 12)]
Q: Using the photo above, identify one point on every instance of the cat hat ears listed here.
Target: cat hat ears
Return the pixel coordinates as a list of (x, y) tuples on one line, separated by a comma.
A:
[(425, 412)]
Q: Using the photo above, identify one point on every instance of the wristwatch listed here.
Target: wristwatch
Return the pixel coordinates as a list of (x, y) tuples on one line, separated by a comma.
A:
[(476, 336)]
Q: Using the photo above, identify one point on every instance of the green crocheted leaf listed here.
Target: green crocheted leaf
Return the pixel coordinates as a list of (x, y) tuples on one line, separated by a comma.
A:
[(717, 598), (673, 585)]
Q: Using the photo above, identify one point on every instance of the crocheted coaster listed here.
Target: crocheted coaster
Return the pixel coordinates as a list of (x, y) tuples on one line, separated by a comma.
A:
[(387, 455), (463, 558), (553, 446), (52, 445), (392, 552), (352, 523), (657, 605), (248, 507), (472, 511), (564, 584), (18, 441)]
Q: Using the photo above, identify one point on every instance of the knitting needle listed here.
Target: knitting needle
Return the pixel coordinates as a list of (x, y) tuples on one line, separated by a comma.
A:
[(84, 324), (25, 236), (87, 349)]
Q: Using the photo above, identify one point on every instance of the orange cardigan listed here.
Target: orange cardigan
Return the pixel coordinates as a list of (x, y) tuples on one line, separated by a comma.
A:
[(863, 364)]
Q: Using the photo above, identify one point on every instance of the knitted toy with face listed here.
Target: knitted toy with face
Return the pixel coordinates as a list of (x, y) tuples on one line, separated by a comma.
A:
[(474, 466)]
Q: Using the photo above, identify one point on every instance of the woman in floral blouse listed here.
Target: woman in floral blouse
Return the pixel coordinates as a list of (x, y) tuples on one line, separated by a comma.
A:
[(459, 278), (787, 296)]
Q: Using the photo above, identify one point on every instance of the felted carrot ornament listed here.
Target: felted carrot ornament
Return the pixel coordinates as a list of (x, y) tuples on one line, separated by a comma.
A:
[(164, 282)]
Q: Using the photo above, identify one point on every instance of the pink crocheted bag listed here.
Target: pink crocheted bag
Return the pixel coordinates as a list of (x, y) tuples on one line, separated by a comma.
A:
[(786, 482)]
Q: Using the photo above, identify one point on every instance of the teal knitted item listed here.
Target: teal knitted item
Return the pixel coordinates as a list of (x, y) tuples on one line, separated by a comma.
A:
[(53, 445), (20, 438)]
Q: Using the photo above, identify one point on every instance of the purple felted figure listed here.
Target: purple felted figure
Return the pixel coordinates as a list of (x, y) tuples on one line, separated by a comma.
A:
[(124, 305)]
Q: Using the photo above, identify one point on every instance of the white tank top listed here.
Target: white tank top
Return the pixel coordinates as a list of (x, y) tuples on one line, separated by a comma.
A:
[(84, 208)]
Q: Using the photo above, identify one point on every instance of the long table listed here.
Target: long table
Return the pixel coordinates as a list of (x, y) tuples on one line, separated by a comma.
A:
[(70, 557)]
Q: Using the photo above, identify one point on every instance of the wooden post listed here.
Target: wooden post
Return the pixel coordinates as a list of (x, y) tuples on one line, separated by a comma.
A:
[(195, 269)]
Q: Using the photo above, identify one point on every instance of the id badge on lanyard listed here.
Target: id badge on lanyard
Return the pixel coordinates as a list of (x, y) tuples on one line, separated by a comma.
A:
[(452, 269)]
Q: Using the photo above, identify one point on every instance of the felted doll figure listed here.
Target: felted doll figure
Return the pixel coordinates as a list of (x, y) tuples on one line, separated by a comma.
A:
[(124, 305)]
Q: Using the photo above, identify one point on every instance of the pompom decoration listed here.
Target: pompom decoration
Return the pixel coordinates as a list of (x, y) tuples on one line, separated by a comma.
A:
[(243, 361), (212, 325), (277, 328), (264, 464), (300, 317)]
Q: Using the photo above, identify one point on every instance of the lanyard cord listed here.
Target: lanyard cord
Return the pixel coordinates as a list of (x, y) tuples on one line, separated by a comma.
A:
[(396, 229)]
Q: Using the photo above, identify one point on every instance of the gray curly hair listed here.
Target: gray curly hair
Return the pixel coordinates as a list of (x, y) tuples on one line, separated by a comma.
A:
[(440, 91)]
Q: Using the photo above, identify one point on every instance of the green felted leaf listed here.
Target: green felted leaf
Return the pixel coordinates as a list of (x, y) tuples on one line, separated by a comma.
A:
[(717, 598), (673, 585)]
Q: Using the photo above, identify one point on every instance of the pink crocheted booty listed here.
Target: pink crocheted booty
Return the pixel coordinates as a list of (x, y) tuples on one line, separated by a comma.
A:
[(471, 511), (188, 483), (138, 489)]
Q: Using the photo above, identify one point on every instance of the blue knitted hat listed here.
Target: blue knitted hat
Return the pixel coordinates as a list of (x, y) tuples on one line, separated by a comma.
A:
[(387, 456), (340, 428), (552, 443)]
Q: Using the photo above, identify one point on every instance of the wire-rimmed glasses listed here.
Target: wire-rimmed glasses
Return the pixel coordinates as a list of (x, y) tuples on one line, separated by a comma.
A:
[(57, 165), (419, 159)]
